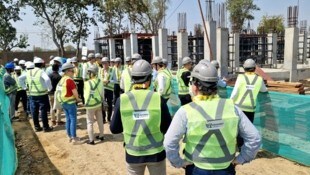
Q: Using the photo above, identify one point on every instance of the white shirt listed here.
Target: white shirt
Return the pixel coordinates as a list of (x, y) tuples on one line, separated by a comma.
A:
[(161, 80)]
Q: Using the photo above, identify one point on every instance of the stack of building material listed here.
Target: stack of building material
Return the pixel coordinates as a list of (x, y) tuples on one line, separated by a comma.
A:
[(286, 87)]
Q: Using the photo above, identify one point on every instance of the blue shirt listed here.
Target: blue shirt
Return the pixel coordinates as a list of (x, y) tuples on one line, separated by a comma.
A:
[(177, 129)]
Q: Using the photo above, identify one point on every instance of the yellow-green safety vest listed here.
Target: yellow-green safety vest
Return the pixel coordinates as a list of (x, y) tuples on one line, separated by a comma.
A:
[(141, 118), (61, 91), (167, 91), (34, 83), (117, 71), (109, 86), (92, 89), (127, 79), (78, 72), (212, 128), (183, 89), (249, 89), (19, 88)]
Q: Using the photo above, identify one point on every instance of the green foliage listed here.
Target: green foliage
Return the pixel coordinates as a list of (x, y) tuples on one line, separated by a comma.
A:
[(273, 24), (240, 10)]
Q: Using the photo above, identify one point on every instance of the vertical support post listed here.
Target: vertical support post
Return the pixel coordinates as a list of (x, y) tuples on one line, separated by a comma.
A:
[(155, 49), (134, 43), (112, 48), (182, 47), (290, 52), (163, 43), (222, 50), (211, 27), (234, 51), (272, 49), (127, 47)]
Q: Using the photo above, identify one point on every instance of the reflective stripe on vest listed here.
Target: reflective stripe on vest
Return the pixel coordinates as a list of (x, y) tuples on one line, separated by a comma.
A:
[(19, 88), (247, 99), (216, 147), (33, 80), (91, 93), (61, 91), (109, 86), (149, 139), (127, 79), (78, 71), (183, 89)]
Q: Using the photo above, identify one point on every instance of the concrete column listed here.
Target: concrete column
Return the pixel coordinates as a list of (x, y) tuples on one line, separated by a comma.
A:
[(272, 49), (222, 50), (302, 44), (155, 49), (127, 47), (234, 51), (290, 51), (169, 55), (195, 50), (182, 47), (134, 43), (211, 27), (163, 43), (112, 48)]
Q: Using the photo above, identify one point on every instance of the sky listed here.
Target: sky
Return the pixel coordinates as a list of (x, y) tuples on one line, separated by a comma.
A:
[(190, 7)]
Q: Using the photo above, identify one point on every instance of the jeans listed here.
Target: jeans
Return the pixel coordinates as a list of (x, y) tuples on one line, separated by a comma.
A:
[(12, 97), (39, 103), (21, 96), (193, 170), (108, 95), (71, 114)]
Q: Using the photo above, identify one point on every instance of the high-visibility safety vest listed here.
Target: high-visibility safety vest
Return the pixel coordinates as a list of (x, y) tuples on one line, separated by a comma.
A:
[(107, 77), (212, 128), (92, 89), (33, 80), (183, 89), (11, 88), (116, 72), (19, 88), (249, 89), (141, 118), (127, 79), (61, 91), (85, 67), (78, 72), (167, 91)]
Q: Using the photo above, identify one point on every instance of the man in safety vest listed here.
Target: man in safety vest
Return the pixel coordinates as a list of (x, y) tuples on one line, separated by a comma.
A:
[(126, 74), (22, 63), (78, 77), (98, 57), (163, 79), (106, 73), (39, 84), (91, 61), (183, 76), (116, 77), (210, 126), (21, 94), (68, 96), (94, 95), (246, 89), (10, 87), (143, 117)]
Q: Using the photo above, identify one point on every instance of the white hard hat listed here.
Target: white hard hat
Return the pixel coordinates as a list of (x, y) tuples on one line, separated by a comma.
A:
[(18, 68), (165, 61), (112, 60), (215, 64), (51, 57), (29, 65), (38, 60), (157, 60), (58, 59), (105, 59), (136, 56), (69, 60), (91, 55), (186, 60), (15, 59), (73, 60), (98, 55), (205, 72), (142, 70), (127, 59), (93, 69), (66, 66), (21, 62), (84, 58), (118, 59), (51, 62), (249, 63)]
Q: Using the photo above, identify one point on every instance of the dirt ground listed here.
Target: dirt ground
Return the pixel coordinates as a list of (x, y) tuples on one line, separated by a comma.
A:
[(51, 153)]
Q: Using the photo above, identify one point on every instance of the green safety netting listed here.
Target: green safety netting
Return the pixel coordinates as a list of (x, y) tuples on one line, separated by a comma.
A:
[(284, 123), (8, 156)]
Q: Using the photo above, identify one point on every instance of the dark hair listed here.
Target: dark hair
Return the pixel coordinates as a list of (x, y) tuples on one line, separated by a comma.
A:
[(139, 80), (206, 88), (39, 65), (249, 69), (55, 67)]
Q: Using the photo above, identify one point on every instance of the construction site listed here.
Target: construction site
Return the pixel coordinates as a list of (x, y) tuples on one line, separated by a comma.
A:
[(282, 115)]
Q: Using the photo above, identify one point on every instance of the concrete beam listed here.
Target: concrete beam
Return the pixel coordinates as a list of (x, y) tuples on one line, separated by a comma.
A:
[(127, 47), (211, 28), (112, 48), (222, 50), (163, 42), (134, 43), (290, 51), (182, 44)]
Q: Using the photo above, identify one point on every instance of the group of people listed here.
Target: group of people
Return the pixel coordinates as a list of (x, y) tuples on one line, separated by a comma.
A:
[(212, 128)]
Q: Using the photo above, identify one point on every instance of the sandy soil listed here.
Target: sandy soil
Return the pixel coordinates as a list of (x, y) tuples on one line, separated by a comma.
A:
[(108, 157)]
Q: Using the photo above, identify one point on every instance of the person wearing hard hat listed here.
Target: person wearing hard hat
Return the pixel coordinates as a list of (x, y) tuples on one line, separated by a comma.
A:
[(21, 94), (143, 118), (57, 61), (183, 76), (221, 82), (39, 84), (55, 107), (112, 62), (15, 61), (23, 80), (210, 126), (163, 79), (127, 62), (94, 96), (10, 88), (98, 57), (22, 63), (125, 83), (116, 77), (78, 77), (106, 73), (68, 96), (92, 61)]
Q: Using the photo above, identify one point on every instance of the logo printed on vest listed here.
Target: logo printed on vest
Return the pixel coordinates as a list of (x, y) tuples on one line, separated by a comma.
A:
[(215, 124), (92, 92), (250, 87), (141, 115)]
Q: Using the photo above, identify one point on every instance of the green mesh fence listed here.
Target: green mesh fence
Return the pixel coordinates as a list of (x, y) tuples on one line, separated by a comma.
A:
[(284, 123), (8, 156)]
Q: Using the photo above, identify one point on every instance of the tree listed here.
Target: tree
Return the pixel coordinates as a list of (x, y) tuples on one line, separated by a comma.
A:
[(9, 11), (240, 10), (273, 24)]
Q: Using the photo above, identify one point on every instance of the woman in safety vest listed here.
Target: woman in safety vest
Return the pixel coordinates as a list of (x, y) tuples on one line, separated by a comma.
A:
[(210, 125)]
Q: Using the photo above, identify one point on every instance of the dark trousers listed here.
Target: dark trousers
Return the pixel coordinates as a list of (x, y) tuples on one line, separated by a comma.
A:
[(39, 103), (80, 89), (250, 116), (117, 92), (108, 95), (185, 99), (193, 170), (21, 96)]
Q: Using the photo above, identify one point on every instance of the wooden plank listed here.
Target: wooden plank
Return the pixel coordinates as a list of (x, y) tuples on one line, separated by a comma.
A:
[(284, 84)]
